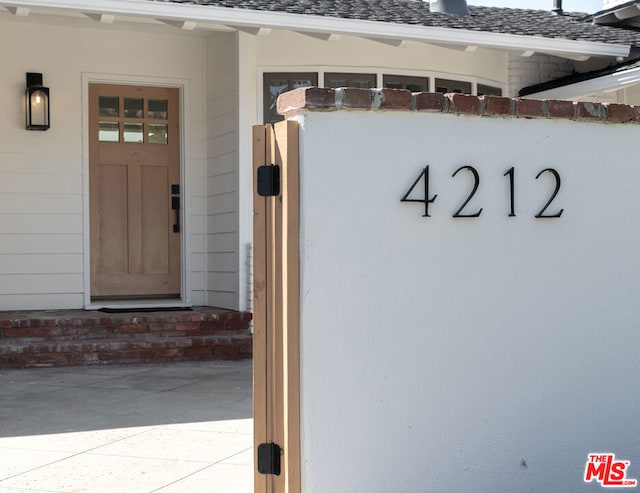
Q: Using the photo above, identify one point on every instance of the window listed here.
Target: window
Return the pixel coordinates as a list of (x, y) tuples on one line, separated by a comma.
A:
[(448, 85), (132, 120), (413, 84), (277, 83), (363, 81), (484, 90)]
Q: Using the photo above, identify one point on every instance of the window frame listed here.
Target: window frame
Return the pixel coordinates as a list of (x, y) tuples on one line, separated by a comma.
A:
[(317, 73)]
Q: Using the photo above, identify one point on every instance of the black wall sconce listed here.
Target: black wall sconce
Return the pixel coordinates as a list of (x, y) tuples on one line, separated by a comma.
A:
[(37, 101)]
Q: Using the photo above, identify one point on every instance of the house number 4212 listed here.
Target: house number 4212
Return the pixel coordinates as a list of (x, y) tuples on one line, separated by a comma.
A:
[(464, 211)]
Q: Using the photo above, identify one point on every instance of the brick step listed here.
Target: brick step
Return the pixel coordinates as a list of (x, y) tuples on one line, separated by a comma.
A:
[(28, 353), (66, 338)]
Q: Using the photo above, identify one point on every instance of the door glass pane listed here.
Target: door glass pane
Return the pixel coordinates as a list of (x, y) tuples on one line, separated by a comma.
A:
[(108, 132), (108, 106), (158, 109), (157, 134), (133, 133), (133, 107)]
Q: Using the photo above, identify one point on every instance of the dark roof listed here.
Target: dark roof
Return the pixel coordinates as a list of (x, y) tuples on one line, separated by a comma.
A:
[(579, 77), (573, 26)]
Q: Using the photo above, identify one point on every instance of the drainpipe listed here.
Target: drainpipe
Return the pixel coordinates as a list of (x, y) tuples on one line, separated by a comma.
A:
[(557, 7)]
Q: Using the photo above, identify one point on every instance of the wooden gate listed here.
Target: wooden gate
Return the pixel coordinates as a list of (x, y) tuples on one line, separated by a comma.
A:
[(276, 346)]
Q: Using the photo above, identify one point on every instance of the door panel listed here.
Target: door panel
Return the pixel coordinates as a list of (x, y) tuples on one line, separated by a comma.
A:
[(134, 159)]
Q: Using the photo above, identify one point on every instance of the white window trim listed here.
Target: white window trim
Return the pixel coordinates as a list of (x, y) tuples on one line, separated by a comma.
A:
[(185, 241)]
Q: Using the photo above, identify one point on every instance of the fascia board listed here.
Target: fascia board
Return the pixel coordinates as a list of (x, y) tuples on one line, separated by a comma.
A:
[(311, 23), (605, 83)]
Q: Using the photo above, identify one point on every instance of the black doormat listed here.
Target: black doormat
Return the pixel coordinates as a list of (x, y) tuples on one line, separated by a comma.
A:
[(145, 310)]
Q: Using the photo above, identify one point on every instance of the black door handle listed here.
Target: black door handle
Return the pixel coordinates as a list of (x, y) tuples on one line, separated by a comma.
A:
[(175, 205)]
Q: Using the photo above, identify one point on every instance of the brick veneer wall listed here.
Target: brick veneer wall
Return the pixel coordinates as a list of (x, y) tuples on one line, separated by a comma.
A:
[(324, 99), (528, 71)]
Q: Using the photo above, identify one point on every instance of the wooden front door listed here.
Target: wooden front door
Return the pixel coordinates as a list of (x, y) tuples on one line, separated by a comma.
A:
[(276, 339), (134, 195)]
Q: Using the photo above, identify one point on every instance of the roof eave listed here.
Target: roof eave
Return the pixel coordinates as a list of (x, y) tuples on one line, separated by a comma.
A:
[(312, 23), (605, 83)]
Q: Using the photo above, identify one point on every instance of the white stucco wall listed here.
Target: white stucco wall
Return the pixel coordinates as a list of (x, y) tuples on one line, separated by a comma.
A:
[(466, 355), (286, 51), (41, 173)]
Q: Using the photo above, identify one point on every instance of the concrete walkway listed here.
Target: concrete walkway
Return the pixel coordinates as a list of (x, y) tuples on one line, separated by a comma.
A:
[(179, 427)]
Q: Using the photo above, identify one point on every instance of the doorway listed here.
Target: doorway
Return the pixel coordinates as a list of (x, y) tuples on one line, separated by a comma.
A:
[(134, 192)]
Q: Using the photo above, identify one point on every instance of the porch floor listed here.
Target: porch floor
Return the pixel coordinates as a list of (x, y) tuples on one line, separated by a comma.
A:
[(183, 427), (76, 337)]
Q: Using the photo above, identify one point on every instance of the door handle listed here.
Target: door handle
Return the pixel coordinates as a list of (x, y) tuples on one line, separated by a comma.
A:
[(175, 205)]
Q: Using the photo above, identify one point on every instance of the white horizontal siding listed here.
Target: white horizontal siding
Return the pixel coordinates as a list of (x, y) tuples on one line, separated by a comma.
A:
[(221, 171), (198, 244), (48, 301), (222, 203), (222, 223), (30, 203), (39, 284), (220, 281), (226, 163), (222, 262), (41, 264), (221, 242), (34, 163), (42, 229), (42, 184), (40, 244), (198, 262), (41, 223), (221, 183)]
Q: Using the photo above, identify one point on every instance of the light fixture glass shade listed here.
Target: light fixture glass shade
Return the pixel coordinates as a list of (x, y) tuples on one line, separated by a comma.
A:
[(37, 103)]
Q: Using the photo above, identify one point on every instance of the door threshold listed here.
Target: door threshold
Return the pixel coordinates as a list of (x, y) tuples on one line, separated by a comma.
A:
[(142, 304)]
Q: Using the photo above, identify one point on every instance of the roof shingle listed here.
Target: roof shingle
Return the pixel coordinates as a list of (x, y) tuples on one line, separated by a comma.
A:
[(524, 22)]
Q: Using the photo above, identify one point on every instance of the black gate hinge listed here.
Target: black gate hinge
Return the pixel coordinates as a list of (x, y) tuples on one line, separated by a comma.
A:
[(269, 181), (269, 458)]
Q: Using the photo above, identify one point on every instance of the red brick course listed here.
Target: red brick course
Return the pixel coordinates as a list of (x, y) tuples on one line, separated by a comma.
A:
[(619, 113), (428, 101), (590, 111), (464, 103), (33, 340), (497, 106), (316, 99)]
